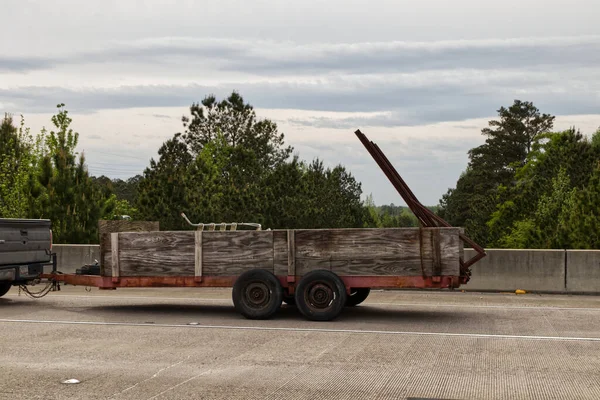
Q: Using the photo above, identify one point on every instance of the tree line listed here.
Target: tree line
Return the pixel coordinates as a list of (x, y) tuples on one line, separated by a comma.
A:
[(529, 186), (226, 166), (525, 187)]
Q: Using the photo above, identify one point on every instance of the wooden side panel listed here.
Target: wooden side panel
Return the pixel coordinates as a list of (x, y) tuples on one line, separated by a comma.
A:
[(106, 227), (384, 266), (462, 246), (105, 255), (352, 243), (109, 226), (114, 240), (347, 252), (403, 252), (280, 253), (198, 255), (291, 242), (157, 253), (451, 248), (229, 253)]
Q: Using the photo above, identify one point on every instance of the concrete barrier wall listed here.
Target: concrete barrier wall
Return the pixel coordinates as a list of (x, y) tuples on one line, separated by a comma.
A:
[(69, 257), (509, 270), (583, 271), (561, 271)]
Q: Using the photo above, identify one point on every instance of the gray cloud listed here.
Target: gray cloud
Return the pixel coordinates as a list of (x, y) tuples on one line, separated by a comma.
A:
[(23, 64), (456, 96), (268, 58)]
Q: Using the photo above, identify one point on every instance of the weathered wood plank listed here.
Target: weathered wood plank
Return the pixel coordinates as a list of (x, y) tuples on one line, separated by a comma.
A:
[(154, 241), (233, 252), (378, 251), (291, 242), (106, 263), (280, 253), (110, 226), (384, 266), (461, 245), (347, 244), (105, 255), (114, 240), (198, 254), (450, 249), (436, 252), (157, 253), (106, 227)]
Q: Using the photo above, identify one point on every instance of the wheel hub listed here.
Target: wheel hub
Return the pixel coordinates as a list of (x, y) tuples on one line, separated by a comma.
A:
[(320, 296), (257, 295)]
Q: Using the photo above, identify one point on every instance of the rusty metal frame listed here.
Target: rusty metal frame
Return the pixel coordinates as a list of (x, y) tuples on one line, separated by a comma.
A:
[(374, 282), (425, 216)]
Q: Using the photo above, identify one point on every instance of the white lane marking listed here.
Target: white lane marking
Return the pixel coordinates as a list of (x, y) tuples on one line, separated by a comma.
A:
[(367, 303), (475, 306), (316, 330)]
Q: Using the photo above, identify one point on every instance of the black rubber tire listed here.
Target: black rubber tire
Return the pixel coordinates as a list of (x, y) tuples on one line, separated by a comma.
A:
[(289, 300), (357, 296), (4, 288), (320, 295), (264, 288)]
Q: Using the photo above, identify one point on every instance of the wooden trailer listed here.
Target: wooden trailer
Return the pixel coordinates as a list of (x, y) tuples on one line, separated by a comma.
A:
[(321, 271)]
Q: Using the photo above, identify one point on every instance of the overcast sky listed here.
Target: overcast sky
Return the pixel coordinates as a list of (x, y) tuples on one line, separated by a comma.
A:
[(419, 78)]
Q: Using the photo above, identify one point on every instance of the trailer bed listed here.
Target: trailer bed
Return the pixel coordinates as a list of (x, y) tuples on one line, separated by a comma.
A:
[(406, 252)]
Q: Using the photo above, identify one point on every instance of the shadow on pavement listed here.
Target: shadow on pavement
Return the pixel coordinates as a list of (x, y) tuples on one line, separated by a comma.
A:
[(361, 313)]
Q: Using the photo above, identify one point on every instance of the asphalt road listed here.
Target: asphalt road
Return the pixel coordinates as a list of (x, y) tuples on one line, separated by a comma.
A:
[(191, 344)]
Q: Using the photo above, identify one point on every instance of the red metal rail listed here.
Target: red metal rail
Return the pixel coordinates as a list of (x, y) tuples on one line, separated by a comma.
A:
[(426, 217), (374, 282)]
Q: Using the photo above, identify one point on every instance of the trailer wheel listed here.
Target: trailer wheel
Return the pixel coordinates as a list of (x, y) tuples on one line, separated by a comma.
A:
[(357, 296), (320, 295), (4, 288), (257, 294)]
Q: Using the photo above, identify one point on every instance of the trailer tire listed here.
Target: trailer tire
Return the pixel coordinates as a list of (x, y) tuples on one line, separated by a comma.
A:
[(320, 295), (357, 296), (257, 294), (4, 288)]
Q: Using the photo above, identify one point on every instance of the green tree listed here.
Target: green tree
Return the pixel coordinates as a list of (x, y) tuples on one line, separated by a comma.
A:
[(542, 229), (579, 225), (285, 191), (162, 191), (18, 157), (373, 220), (331, 198), (69, 196), (236, 121), (492, 168), (119, 209), (557, 164), (224, 183), (123, 189), (230, 167)]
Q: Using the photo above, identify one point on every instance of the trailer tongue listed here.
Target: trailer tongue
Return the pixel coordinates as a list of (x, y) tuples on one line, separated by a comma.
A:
[(319, 270)]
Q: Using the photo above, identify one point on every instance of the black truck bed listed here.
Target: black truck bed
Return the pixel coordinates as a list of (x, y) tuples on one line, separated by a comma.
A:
[(25, 241)]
